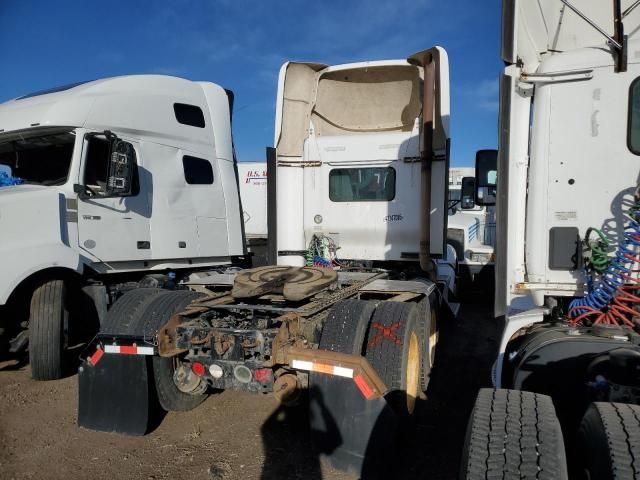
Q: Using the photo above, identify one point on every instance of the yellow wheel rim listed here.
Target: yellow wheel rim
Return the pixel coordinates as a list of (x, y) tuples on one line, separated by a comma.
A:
[(413, 372), (433, 339)]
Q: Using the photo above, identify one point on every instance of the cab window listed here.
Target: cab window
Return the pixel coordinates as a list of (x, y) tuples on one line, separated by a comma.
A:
[(362, 184)]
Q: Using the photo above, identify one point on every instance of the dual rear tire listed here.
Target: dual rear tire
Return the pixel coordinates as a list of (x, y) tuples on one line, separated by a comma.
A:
[(141, 312), (350, 432), (398, 339)]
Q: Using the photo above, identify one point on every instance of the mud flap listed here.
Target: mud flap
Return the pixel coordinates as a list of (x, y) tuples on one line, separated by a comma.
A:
[(115, 395), (349, 432)]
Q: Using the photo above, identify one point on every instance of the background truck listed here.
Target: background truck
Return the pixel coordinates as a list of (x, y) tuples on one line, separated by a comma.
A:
[(349, 316), (95, 198), (471, 230), (567, 260)]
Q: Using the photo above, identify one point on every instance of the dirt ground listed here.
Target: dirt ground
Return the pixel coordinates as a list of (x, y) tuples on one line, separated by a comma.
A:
[(233, 435)]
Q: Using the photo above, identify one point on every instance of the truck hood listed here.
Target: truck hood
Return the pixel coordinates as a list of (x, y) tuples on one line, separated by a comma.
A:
[(460, 220), (7, 193), (28, 208), (34, 234)]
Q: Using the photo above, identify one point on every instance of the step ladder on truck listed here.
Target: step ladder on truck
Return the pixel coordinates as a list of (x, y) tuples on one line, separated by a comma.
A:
[(349, 312), (567, 376)]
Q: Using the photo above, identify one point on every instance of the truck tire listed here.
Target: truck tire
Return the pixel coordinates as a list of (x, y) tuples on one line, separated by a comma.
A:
[(342, 421), (47, 319), (125, 312), (346, 326), (609, 441), (513, 434), (395, 350), (157, 314), (429, 333), (118, 393)]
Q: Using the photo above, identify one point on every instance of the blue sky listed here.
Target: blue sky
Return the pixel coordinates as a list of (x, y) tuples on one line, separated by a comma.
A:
[(240, 44)]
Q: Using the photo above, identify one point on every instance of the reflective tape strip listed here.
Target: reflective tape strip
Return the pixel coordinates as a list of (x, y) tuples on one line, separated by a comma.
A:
[(365, 389), (322, 368), (95, 358), (343, 372), (128, 350), (302, 365)]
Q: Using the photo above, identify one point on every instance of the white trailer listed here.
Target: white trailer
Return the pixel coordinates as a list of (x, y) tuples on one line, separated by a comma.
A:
[(568, 233), (100, 197), (252, 180)]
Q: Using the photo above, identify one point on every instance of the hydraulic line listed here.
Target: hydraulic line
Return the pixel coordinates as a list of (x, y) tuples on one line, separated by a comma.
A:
[(612, 301), (322, 252), (599, 261)]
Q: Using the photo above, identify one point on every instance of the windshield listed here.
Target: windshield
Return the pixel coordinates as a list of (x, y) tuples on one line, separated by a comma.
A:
[(39, 160), (454, 195)]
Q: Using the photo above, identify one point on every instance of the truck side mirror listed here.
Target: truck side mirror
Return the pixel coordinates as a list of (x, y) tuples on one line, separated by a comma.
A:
[(486, 177), (121, 166), (468, 193)]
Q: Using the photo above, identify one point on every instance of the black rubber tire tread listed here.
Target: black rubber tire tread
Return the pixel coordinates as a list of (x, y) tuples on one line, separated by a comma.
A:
[(341, 420), (426, 309), (155, 315), (46, 330), (609, 441), (124, 313), (346, 326), (387, 357), (513, 434)]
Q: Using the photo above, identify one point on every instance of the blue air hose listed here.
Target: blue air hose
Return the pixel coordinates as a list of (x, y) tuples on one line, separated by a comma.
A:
[(618, 271)]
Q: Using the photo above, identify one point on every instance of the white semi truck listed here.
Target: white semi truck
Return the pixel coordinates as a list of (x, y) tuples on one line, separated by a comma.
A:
[(567, 402), (471, 230), (349, 315), (104, 183)]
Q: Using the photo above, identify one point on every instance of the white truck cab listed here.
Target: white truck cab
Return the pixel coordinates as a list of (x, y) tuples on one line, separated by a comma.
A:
[(554, 182), (115, 176), (567, 247), (352, 189)]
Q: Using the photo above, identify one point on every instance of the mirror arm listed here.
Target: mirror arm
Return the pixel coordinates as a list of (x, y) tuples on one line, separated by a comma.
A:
[(107, 133), (84, 192)]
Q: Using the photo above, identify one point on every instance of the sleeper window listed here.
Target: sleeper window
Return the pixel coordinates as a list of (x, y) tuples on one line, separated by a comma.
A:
[(189, 114), (197, 171)]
